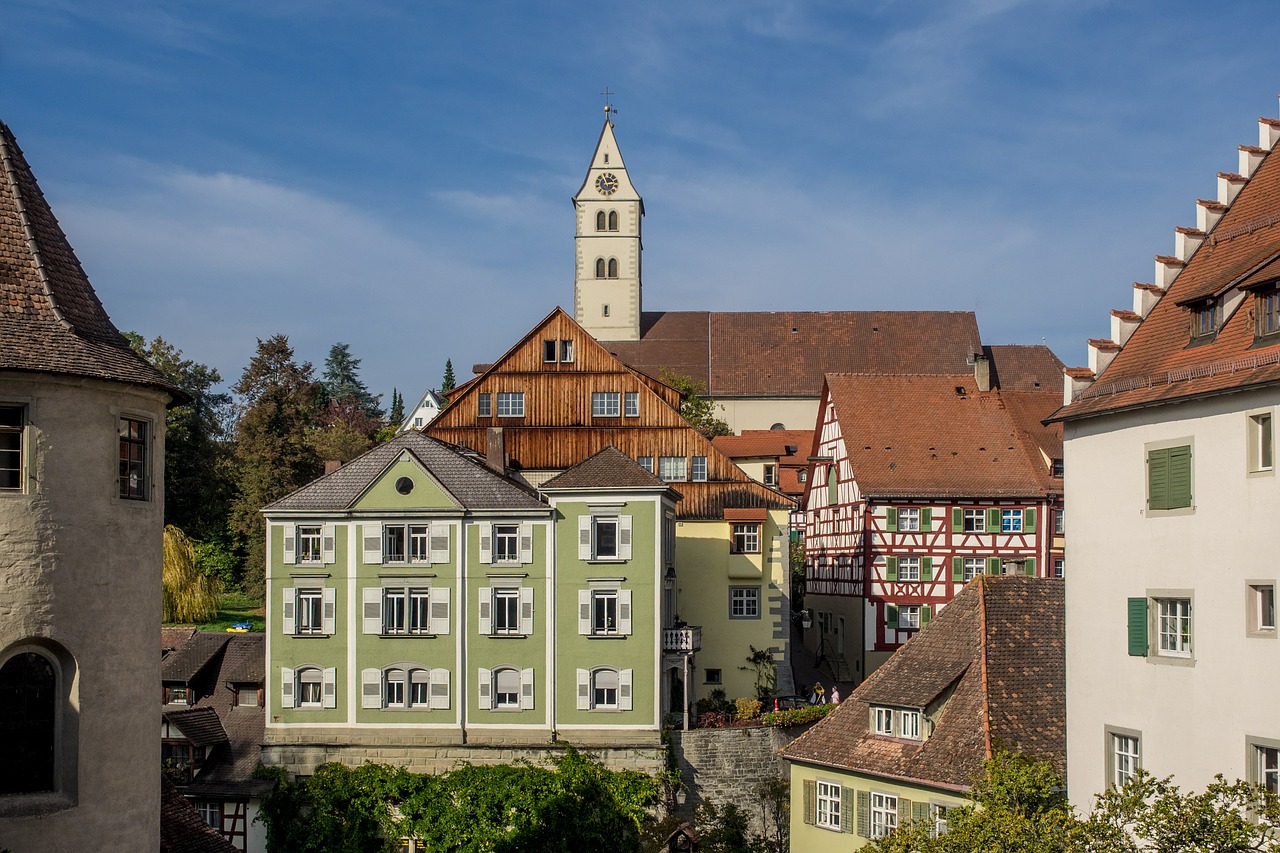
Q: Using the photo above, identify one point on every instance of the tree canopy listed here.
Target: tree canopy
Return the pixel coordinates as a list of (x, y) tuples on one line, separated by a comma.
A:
[(341, 381), (699, 410)]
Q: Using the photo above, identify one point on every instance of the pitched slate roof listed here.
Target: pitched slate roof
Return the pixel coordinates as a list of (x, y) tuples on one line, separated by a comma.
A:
[(785, 353), (182, 829), (1157, 363), (916, 436), (607, 468), (186, 662), (989, 669), (468, 481), (50, 317)]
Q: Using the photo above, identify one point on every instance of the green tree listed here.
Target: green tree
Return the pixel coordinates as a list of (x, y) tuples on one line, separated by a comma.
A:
[(449, 382), (343, 430), (396, 417), (189, 596), (278, 407), (761, 661), (699, 410), (198, 486), (341, 381)]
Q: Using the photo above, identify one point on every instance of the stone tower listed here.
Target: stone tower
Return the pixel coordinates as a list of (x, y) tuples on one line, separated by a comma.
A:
[(81, 519), (606, 279)]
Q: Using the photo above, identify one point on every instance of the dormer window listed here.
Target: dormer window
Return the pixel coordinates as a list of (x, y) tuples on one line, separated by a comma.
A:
[(1205, 319), (896, 722), (1268, 313)]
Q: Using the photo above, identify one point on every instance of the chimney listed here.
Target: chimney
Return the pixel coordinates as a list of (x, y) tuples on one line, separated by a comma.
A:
[(495, 455), (1145, 297), (1186, 241), (982, 371), (1251, 157), (1101, 352), (1167, 269), (1229, 185), (331, 465), (1208, 212), (1123, 324), (1074, 381), (1268, 133)]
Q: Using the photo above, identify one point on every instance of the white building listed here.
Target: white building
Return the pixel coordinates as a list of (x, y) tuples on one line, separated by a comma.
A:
[(429, 405), (1172, 499)]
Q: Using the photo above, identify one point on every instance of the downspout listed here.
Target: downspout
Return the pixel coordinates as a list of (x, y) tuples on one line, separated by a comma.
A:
[(463, 691)]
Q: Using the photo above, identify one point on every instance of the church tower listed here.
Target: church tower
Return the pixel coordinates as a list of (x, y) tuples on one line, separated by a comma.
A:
[(606, 279)]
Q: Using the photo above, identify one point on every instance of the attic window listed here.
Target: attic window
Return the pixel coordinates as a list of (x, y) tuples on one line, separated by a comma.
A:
[(404, 485), (1267, 310), (961, 390), (1205, 320)]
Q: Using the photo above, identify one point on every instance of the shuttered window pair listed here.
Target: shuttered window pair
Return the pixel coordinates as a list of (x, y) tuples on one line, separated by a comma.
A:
[(908, 519), (907, 616), (908, 569), (505, 688), (1169, 478), (410, 607), (1173, 623), (829, 805), (309, 610), (404, 543), (506, 611), (309, 687), (506, 544), (604, 537), (604, 612), (604, 689), (405, 686), (309, 544)]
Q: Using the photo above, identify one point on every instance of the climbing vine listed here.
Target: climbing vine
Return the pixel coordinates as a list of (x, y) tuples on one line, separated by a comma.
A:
[(574, 804)]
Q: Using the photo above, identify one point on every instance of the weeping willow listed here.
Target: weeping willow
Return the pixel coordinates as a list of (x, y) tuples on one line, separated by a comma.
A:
[(189, 596)]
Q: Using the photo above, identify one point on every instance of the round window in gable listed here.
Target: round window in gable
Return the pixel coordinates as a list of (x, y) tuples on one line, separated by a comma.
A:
[(404, 485)]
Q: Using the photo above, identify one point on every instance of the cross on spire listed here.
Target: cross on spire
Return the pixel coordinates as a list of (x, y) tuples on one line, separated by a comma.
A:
[(608, 102)]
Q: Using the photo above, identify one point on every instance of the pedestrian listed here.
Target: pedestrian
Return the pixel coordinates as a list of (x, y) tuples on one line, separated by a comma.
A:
[(819, 694), (835, 695)]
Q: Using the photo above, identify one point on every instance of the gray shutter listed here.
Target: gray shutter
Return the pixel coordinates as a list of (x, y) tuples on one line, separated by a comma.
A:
[(290, 549), (526, 689), (286, 688), (624, 690), (328, 544), (846, 809), (371, 615), (864, 813), (810, 801), (438, 690), (486, 543), (370, 688), (330, 693), (919, 811), (624, 611), (329, 600), (526, 543), (438, 542), (584, 690), (584, 611), (526, 611), (372, 543), (286, 610), (1138, 642), (584, 537), (485, 683), (486, 610), (624, 537), (904, 810), (439, 604)]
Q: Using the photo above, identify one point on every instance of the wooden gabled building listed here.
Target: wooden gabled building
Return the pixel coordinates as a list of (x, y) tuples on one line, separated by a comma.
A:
[(557, 397)]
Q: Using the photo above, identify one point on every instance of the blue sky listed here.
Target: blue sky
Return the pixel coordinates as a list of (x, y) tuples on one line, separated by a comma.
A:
[(397, 176)]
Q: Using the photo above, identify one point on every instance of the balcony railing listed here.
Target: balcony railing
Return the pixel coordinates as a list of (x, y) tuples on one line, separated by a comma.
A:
[(682, 639)]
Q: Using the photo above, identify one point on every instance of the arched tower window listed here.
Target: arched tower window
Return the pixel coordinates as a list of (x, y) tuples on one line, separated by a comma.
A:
[(613, 268), (28, 724), (613, 220), (600, 220), (600, 268)]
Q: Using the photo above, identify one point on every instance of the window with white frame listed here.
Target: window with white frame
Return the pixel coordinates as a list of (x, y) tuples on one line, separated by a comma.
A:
[(631, 407), (394, 543), (1266, 766), (645, 462), (511, 404), (1059, 522), (909, 724), (406, 610), (211, 812), (604, 688), (605, 404), (506, 611), (770, 475), (908, 568), (309, 615), (419, 543), (698, 469), (884, 814), (1010, 521), (1059, 567), (909, 519), (1173, 627), (419, 688), (604, 611), (882, 721), (605, 537), (506, 543), (310, 687), (673, 469), (937, 819), (13, 421), (1126, 758), (1262, 608), (746, 538), (827, 803), (393, 689), (506, 688), (744, 602), (308, 543), (1261, 442), (974, 566), (975, 521), (566, 350), (484, 404), (909, 616)]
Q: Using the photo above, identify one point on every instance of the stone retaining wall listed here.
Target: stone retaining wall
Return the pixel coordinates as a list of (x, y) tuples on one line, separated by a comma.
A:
[(722, 766)]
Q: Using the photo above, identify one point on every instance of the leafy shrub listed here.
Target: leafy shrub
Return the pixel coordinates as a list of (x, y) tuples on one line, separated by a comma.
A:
[(797, 716), (717, 703), (746, 708)]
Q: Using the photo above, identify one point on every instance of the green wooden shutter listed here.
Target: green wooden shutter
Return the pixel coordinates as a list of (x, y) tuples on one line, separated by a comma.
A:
[(957, 569), (891, 616), (810, 801), (926, 518), (1029, 521), (993, 565), (1029, 567), (1157, 479), (891, 568), (1179, 492), (833, 486), (864, 814), (919, 811), (926, 613), (993, 520), (1138, 643), (846, 808), (926, 569), (891, 519), (957, 520)]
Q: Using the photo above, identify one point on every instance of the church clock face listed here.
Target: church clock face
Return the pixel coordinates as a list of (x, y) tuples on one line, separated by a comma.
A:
[(607, 183)]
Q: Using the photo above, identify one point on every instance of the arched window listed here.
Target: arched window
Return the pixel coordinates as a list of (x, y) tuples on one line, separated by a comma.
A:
[(600, 220), (600, 268), (28, 724), (613, 268), (506, 688), (613, 220), (310, 687)]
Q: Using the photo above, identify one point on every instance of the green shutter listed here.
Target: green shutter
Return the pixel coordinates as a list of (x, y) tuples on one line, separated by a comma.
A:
[(919, 811), (926, 613), (957, 520), (993, 520), (926, 569), (891, 568), (846, 808), (891, 519), (1029, 567), (957, 569), (1029, 521), (993, 565), (1179, 477), (926, 519), (1158, 479), (1138, 627), (810, 801), (833, 489), (864, 814), (891, 616)]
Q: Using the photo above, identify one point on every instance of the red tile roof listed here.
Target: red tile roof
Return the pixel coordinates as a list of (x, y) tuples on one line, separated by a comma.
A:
[(766, 443)]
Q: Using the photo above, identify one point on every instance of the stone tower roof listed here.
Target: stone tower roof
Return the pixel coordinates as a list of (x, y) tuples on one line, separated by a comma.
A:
[(50, 318)]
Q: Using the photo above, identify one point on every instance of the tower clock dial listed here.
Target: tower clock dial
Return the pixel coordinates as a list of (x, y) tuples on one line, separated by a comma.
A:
[(607, 183)]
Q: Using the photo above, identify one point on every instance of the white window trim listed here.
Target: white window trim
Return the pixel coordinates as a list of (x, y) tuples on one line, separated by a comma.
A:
[(886, 809), (750, 597), (828, 793)]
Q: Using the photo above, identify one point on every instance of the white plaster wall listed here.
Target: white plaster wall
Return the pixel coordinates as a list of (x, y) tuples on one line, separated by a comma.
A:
[(1193, 719), (80, 567), (742, 413)]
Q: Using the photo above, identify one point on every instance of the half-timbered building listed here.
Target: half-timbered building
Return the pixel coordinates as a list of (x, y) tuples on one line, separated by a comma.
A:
[(556, 398), (920, 484)]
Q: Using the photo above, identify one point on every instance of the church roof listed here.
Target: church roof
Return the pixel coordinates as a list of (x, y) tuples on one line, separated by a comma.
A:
[(786, 353), (50, 317)]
